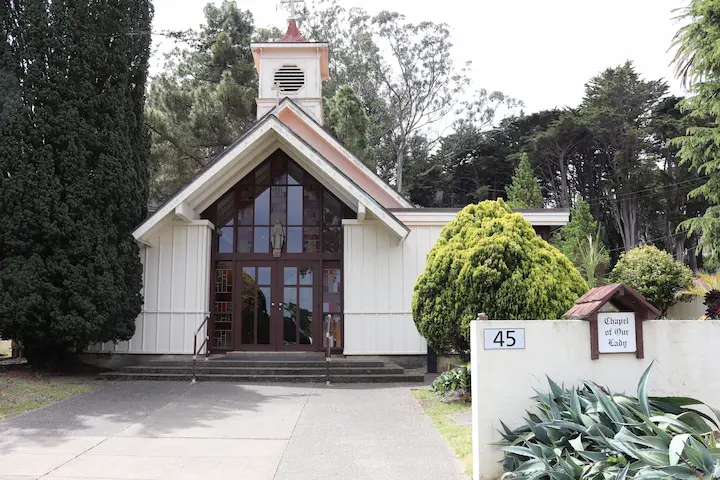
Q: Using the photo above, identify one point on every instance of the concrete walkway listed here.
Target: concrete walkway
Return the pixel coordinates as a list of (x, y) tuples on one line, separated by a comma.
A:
[(143, 430)]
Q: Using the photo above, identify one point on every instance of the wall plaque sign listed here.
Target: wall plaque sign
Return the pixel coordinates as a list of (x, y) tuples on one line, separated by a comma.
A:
[(616, 332)]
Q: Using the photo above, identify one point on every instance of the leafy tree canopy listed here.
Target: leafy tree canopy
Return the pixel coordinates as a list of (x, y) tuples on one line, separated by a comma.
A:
[(204, 99), (582, 225)]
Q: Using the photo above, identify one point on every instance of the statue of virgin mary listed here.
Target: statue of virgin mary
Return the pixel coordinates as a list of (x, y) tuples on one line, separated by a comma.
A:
[(277, 238)]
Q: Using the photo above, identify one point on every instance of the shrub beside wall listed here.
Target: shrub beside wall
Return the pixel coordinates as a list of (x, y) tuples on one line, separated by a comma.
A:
[(655, 274), (490, 260)]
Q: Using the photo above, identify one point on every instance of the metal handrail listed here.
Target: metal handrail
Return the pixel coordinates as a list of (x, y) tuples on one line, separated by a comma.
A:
[(328, 338), (203, 344)]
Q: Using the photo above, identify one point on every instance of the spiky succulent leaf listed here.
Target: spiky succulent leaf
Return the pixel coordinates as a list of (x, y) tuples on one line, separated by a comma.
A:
[(590, 433)]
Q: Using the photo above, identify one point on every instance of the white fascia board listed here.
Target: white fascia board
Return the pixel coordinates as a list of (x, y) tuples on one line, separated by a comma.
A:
[(227, 157), (425, 218), (289, 45), (551, 218), (344, 151), (339, 179)]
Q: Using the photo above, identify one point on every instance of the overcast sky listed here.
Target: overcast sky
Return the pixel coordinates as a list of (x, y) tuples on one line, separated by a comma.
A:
[(539, 51)]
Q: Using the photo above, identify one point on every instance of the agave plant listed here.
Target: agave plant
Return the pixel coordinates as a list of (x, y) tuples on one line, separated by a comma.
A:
[(588, 433)]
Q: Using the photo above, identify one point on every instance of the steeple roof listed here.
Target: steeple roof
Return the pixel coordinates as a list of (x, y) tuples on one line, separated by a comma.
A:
[(293, 34)]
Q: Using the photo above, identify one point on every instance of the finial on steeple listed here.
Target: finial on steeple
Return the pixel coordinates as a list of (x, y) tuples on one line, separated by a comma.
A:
[(292, 35), (291, 3)]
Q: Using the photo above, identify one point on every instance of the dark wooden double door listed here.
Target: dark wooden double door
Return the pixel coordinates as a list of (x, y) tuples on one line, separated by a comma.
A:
[(277, 306)]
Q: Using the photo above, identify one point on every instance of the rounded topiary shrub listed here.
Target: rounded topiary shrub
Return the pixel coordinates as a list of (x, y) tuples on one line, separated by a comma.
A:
[(655, 274), (490, 260)]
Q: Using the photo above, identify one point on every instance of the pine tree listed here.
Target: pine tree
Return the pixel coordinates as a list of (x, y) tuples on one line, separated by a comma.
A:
[(74, 181), (582, 224), (205, 98), (347, 120), (524, 192), (580, 241), (697, 63)]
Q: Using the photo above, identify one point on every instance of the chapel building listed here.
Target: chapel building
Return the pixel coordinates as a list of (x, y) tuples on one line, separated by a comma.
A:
[(287, 230)]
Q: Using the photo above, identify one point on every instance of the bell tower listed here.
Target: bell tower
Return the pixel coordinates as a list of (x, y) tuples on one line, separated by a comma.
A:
[(291, 67)]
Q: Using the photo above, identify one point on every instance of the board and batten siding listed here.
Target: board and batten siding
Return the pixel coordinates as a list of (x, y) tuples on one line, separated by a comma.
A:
[(175, 290), (380, 275)]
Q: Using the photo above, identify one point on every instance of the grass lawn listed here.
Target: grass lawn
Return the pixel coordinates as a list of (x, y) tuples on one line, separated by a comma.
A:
[(22, 390), (459, 437)]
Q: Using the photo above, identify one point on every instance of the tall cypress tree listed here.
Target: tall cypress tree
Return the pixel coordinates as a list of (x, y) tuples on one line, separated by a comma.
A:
[(70, 272)]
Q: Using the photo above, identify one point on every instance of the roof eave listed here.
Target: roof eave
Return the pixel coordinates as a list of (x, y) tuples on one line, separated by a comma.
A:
[(268, 124), (290, 104)]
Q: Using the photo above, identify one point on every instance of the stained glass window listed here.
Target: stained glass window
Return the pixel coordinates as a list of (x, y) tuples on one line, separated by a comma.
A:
[(279, 191), (311, 240), (223, 277), (221, 338), (223, 306), (245, 206), (332, 305)]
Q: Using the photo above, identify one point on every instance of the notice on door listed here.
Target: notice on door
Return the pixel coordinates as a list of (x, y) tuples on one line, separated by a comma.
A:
[(616, 332)]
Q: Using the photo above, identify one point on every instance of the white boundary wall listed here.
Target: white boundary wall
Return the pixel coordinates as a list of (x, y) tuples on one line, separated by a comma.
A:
[(686, 363), (693, 309)]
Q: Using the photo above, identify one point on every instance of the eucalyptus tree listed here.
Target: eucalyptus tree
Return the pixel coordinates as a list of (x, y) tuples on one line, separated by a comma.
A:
[(421, 80)]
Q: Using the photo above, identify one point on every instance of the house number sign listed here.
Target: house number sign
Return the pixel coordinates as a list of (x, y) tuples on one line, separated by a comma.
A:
[(504, 338)]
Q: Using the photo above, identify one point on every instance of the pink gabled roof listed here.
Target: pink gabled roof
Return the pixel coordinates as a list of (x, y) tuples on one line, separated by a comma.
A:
[(615, 293), (311, 132), (293, 34)]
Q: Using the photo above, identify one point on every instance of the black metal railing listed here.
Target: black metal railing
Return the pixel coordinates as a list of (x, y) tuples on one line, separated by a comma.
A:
[(205, 344), (328, 343)]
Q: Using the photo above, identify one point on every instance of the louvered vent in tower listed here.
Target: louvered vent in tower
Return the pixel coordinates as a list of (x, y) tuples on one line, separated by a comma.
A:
[(289, 78)]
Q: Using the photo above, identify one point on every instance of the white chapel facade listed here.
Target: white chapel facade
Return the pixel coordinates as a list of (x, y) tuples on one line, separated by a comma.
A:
[(285, 232)]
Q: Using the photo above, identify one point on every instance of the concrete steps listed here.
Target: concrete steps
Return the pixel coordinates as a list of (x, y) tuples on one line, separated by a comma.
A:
[(265, 371), (222, 363)]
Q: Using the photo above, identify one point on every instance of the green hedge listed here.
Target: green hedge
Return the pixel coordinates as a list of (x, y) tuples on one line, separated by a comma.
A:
[(655, 274), (490, 260)]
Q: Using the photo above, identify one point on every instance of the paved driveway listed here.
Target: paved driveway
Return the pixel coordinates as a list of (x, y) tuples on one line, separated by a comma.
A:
[(144, 430)]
